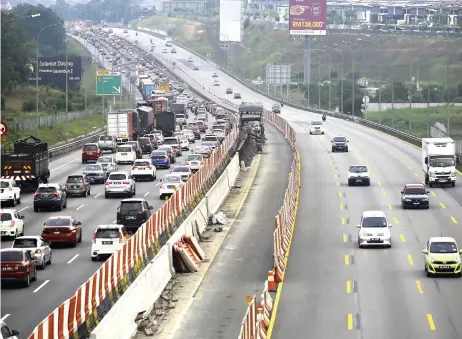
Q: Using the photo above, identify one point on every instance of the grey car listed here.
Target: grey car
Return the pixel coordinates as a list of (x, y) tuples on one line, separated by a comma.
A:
[(38, 246), (109, 164), (78, 185), (95, 173)]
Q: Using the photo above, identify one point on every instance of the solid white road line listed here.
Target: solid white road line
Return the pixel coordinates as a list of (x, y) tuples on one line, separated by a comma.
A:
[(146, 193), (40, 287), (96, 196), (79, 207), (24, 208), (73, 258), (5, 316), (67, 163)]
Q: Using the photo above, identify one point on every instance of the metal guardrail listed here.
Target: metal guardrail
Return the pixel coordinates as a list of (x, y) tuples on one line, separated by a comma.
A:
[(74, 144)]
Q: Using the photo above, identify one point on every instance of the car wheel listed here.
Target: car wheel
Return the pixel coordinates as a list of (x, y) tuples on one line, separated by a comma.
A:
[(74, 242), (404, 206), (429, 275), (94, 258), (346, 150), (427, 207), (36, 209), (13, 202), (81, 235), (349, 183), (153, 178), (50, 258), (134, 190), (27, 282), (453, 184), (368, 183), (85, 194), (106, 195), (130, 194), (65, 203), (333, 150), (60, 207), (34, 278), (18, 200), (42, 267), (22, 231)]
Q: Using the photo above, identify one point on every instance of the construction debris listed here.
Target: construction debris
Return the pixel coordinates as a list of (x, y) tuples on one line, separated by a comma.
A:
[(219, 219), (187, 255)]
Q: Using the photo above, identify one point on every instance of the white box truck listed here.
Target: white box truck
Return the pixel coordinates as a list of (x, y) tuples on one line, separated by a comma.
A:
[(439, 161), (120, 125)]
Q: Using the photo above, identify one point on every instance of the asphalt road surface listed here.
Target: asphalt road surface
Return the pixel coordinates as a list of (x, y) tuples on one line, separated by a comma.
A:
[(332, 288)]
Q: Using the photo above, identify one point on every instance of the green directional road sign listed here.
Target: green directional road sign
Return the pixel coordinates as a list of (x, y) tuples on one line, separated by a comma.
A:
[(108, 83)]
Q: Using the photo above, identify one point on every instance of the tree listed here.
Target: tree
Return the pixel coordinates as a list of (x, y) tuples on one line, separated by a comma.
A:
[(348, 95), (246, 22), (396, 93)]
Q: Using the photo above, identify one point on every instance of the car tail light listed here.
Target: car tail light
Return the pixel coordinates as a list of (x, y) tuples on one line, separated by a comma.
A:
[(19, 268), (12, 223), (65, 185), (165, 158), (36, 193), (150, 167), (84, 185), (121, 238), (133, 167), (126, 182), (37, 251), (108, 182), (56, 194), (10, 188), (94, 238), (100, 174), (162, 187)]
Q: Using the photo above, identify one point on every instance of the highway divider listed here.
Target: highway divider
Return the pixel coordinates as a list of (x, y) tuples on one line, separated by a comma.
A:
[(119, 322), (78, 316), (259, 315)]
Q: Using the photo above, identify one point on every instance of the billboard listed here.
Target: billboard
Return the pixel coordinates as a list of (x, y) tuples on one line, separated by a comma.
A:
[(231, 20), (278, 74), (52, 71), (307, 17)]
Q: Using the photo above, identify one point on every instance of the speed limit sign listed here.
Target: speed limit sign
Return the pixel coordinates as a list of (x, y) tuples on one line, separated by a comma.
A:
[(3, 129)]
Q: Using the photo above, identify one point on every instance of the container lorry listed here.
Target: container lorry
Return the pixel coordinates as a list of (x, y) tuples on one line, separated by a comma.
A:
[(146, 119), (166, 122), (120, 125), (27, 162), (439, 161)]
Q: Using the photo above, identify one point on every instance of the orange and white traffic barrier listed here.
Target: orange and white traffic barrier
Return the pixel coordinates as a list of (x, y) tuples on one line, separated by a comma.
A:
[(271, 281)]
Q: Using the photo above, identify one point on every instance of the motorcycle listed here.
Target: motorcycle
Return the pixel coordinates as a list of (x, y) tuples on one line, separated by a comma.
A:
[(282, 104), (323, 118)]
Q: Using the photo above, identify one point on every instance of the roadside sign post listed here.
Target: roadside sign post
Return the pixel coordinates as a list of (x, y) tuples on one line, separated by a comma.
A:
[(3, 129)]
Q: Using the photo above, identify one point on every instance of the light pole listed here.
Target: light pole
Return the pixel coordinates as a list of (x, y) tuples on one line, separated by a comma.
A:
[(37, 64), (319, 78), (36, 15), (341, 79), (330, 72), (381, 75), (353, 77)]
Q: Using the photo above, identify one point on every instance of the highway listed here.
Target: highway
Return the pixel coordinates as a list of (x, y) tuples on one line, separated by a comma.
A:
[(24, 308), (333, 289)]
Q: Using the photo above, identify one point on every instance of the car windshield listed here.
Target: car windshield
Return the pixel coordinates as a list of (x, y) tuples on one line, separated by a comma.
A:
[(58, 222), (171, 179), (180, 116), (107, 233), (374, 222), (208, 143), (194, 157), (118, 176), (181, 169), (103, 137), (144, 141), (46, 189), (339, 139), (25, 243), (415, 191), (13, 256), (4, 184), (442, 162), (165, 148), (129, 206), (142, 163), (75, 179), (124, 149), (443, 247), (158, 154), (170, 141), (6, 216), (104, 159), (92, 168), (90, 148), (276, 106), (358, 169), (157, 133), (316, 123)]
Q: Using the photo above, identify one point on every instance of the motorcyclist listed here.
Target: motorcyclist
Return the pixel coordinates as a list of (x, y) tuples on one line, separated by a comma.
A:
[(324, 117), (282, 103)]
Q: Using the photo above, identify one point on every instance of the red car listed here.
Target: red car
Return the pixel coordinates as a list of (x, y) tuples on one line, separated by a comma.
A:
[(18, 265), (91, 152), (62, 229)]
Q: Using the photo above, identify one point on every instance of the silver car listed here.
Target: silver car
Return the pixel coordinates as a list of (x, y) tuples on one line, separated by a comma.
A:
[(38, 247), (120, 183), (95, 173), (109, 164)]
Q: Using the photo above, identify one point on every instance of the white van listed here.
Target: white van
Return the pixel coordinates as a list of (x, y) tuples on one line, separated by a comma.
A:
[(125, 154)]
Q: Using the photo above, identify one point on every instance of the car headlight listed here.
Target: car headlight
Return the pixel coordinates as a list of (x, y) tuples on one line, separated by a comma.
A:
[(431, 260), (432, 174), (453, 174), (407, 199), (457, 258)]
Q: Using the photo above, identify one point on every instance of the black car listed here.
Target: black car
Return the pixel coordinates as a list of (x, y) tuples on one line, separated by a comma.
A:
[(415, 196), (237, 96), (146, 145), (132, 213), (50, 196), (276, 108), (339, 144), (229, 90)]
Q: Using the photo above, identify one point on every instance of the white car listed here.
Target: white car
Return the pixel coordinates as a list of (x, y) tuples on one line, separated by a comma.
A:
[(358, 174), (184, 143), (11, 223), (189, 136), (180, 118), (119, 183), (194, 161), (170, 183), (38, 246), (142, 168), (374, 230), (125, 154), (216, 82), (184, 171), (107, 240), (164, 50), (159, 137), (10, 193), (316, 127)]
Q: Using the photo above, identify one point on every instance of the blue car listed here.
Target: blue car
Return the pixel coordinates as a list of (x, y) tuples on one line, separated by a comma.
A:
[(160, 159)]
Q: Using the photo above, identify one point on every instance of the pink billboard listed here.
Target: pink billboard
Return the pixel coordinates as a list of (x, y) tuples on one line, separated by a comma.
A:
[(307, 17)]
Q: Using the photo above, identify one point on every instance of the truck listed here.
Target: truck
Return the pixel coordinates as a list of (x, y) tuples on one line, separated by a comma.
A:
[(166, 122), (439, 161), (148, 87), (145, 118), (120, 125), (27, 162)]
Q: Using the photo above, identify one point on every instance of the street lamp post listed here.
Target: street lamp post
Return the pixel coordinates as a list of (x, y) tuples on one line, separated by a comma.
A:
[(37, 79), (330, 73), (341, 80), (319, 78), (353, 78), (20, 18)]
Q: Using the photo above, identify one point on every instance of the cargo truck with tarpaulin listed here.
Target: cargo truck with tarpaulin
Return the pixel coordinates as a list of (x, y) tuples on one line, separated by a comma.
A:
[(166, 122), (158, 105), (145, 119), (120, 125), (27, 162), (147, 88)]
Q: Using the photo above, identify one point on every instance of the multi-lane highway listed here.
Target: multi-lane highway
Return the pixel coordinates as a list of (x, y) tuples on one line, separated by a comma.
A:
[(333, 289)]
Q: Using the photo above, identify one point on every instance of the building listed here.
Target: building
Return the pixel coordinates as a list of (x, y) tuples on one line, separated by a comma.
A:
[(195, 6)]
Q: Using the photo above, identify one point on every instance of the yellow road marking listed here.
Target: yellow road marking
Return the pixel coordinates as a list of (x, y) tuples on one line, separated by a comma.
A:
[(340, 194), (335, 175), (347, 259), (350, 321), (373, 175), (410, 168), (384, 194), (338, 184), (403, 239), (430, 322), (454, 220), (433, 193), (419, 286), (416, 174), (379, 184), (345, 238), (389, 207), (348, 286), (409, 258), (396, 220), (333, 167), (342, 207), (442, 206), (343, 221)]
